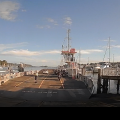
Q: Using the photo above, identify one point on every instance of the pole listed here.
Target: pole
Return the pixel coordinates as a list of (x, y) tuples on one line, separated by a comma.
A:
[(113, 58), (109, 50), (79, 58), (68, 40), (88, 60)]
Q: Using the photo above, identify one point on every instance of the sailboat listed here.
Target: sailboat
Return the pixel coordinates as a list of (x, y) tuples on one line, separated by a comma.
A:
[(103, 65)]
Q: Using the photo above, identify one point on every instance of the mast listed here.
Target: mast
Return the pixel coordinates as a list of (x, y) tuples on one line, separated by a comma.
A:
[(88, 60), (79, 56), (68, 40), (109, 50), (113, 58)]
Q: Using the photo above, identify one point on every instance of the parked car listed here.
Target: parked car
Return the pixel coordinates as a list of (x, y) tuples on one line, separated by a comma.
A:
[(45, 71)]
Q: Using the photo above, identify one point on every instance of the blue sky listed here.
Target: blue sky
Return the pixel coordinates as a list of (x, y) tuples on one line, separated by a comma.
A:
[(33, 31)]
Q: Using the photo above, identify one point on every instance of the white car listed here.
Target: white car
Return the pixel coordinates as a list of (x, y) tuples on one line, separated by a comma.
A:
[(45, 71)]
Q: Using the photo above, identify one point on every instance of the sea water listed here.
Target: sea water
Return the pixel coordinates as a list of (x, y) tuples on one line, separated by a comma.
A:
[(4, 70)]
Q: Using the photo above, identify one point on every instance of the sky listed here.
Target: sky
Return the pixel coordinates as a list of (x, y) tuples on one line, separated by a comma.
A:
[(33, 31)]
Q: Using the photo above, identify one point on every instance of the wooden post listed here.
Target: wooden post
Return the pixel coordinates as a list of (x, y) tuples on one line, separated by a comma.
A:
[(83, 71), (118, 87), (105, 85), (109, 85), (99, 82)]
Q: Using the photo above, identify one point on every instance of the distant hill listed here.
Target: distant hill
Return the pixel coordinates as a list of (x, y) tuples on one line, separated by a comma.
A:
[(43, 66)]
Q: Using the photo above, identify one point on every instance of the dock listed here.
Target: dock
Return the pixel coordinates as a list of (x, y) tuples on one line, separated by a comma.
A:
[(104, 78), (50, 92)]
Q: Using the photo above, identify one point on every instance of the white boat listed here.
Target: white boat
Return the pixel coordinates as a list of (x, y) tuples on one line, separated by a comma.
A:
[(2, 71), (69, 59), (102, 66), (1, 67), (88, 68)]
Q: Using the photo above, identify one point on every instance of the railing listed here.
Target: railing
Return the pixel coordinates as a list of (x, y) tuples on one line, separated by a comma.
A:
[(88, 80), (5, 78), (110, 71)]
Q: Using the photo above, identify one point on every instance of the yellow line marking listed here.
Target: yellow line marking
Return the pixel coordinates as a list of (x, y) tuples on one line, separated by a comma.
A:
[(42, 82), (62, 84), (23, 81)]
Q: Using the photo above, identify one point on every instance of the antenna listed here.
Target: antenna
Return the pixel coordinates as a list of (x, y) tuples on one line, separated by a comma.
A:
[(113, 58), (68, 40), (79, 56), (109, 50), (88, 60)]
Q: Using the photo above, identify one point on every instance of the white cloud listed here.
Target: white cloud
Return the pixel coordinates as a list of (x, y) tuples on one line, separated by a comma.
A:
[(42, 61), (20, 53), (24, 10), (55, 24), (28, 53), (47, 26), (115, 46), (34, 59), (8, 46), (52, 21), (43, 27), (111, 46), (67, 20), (53, 52), (7, 8), (89, 51), (40, 27), (110, 40)]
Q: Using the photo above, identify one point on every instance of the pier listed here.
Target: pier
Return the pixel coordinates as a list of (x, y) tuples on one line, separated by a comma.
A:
[(22, 91), (104, 78)]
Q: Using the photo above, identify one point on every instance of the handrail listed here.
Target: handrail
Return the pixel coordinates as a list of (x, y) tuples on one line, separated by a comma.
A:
[(9, 76)]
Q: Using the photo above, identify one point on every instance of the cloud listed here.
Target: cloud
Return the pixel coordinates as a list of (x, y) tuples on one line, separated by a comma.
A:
[(67, 20), (110, 40), (8, 46), (115, 46), (20, 53), (7, 8), (52, 21), (40, 27), (34, 59), (24, 10), (43, 27), (89, 51), (111, 46), (53, 52), (28, 53)]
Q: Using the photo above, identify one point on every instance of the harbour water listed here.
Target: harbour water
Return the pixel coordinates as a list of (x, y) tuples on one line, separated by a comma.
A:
[(4, 70), (111, 89)]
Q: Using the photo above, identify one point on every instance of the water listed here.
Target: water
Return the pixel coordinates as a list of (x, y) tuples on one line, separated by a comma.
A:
[(15, 69), (113, 83)]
